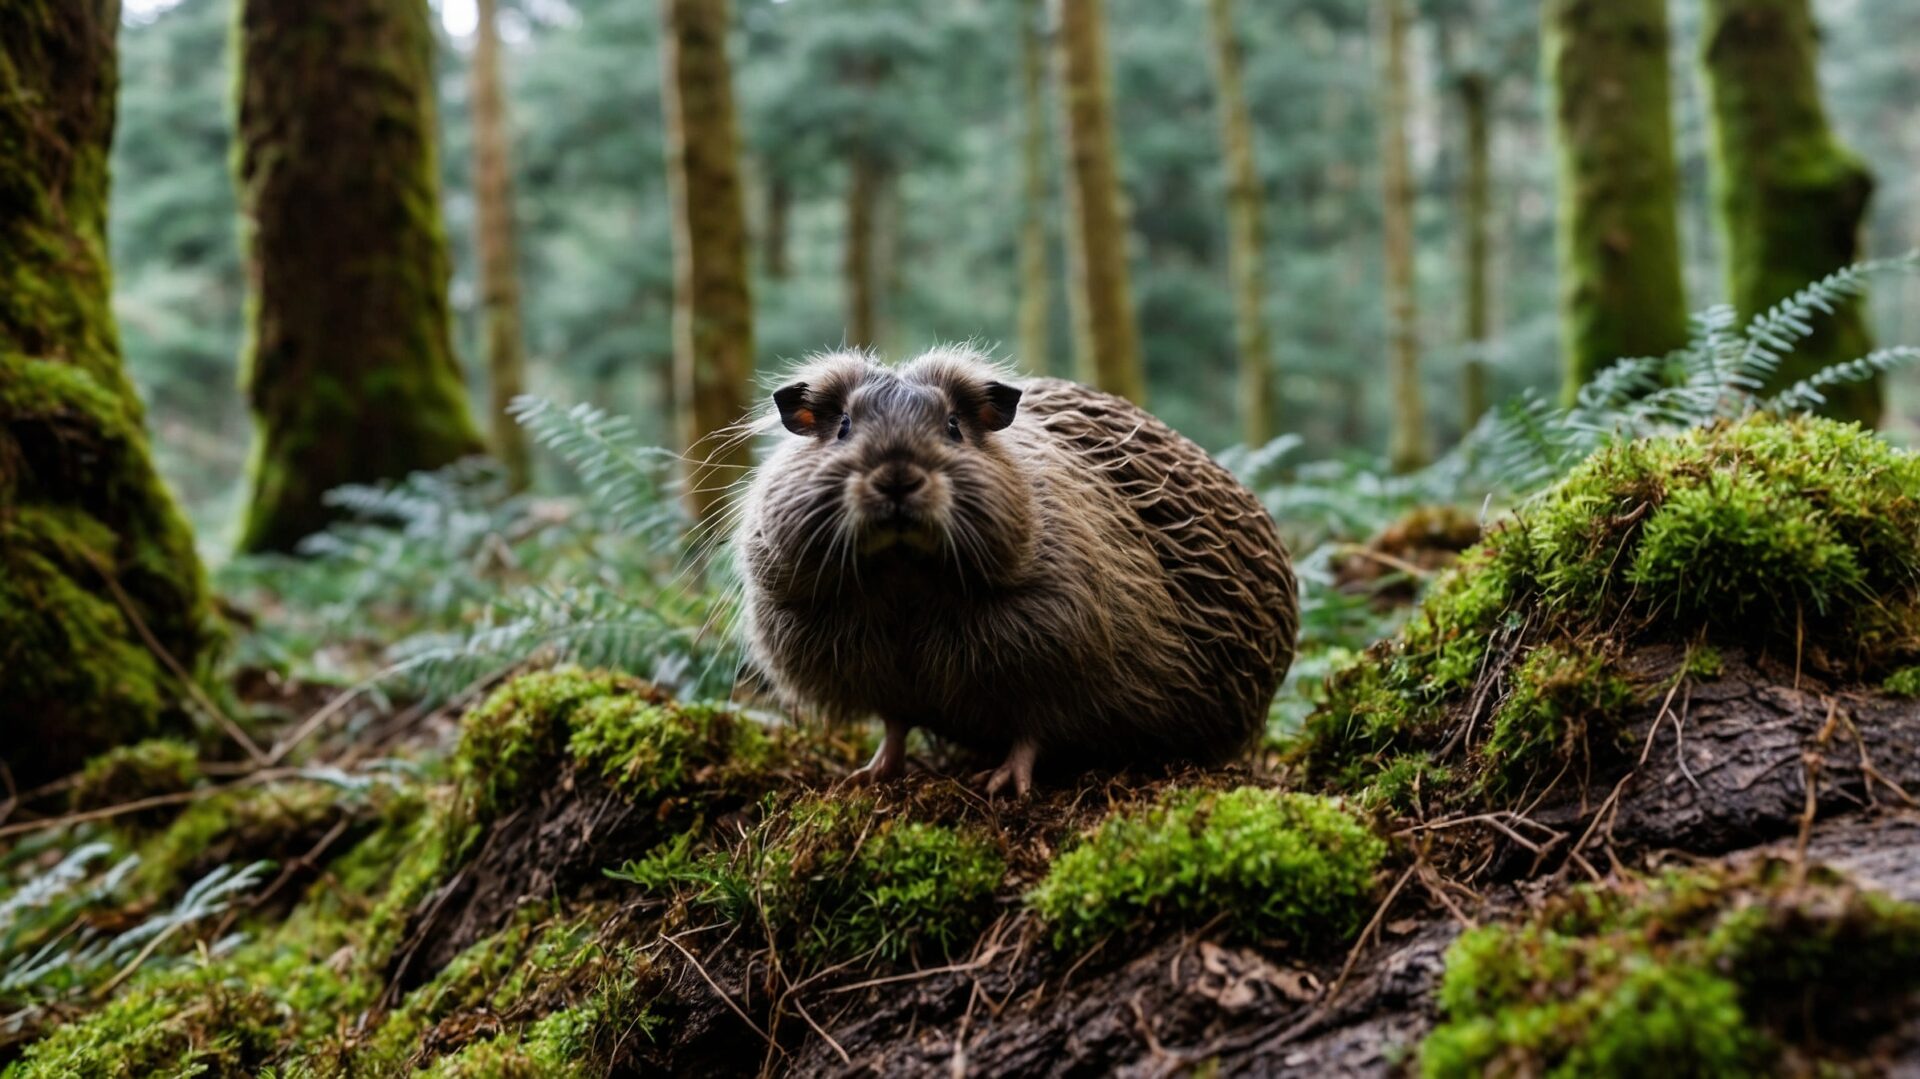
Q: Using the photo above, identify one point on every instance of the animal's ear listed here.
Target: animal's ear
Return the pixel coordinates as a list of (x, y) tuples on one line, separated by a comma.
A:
[(796, 411), (998, 405)]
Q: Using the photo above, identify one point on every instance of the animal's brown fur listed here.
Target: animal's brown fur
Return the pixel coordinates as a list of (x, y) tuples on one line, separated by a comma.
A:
[(1086, 582)]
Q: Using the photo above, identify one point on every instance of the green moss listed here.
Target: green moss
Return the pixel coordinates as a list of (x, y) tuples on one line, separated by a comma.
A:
[(836, 880), (1904, 682), (509, 741), (648, 746), (564, 995), (1557, 700), (158, 766), (650, 750), (194, 1022), (271, 822), (1289, 866), (1703, 662), (1765, 533), (1400, 784), (1695, 974)]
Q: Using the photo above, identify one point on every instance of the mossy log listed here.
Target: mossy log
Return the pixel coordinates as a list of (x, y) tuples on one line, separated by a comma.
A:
[(1791, 198), (349, 363), (98, 575)]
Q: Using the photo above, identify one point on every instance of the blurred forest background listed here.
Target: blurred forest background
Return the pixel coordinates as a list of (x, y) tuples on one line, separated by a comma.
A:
[(927, 108)]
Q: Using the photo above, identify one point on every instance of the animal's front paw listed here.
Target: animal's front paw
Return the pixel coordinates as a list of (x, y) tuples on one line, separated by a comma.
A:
[(881, 769), (1015, 771), (889, 761)]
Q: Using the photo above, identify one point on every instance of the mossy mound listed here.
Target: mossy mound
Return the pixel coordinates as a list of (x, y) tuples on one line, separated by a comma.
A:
[(1699, 973), (544, 996), (560, 775), (195, 1022), (274, 822), (1795, 537), (132, 773), (630, 734), (832, 878), (1295, 867)]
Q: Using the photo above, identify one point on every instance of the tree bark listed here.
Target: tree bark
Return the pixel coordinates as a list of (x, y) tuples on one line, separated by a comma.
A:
[(1407, 443), (1035, 295), (1619, 235), (713, 309), (1246, 235), (1791, 199), (1106, 340), (100, 588), (349, 365), (773, 240), (499, 250), (863, 196), (1477, 250)]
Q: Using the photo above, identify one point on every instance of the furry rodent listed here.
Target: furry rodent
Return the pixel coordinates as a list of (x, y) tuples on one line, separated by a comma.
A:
[(1035, 568)]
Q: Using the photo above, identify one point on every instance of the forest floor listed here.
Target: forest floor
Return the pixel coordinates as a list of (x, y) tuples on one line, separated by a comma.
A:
[(1551, 825)]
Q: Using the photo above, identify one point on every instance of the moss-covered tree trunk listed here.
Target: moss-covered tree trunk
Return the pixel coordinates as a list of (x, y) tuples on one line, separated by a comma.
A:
[(775, 228), (98, 576), (1035, 295), (1619, 234), (1791, 199), (499, 258), (857, 258), (1476, 250), (1246, 234), (1407, 438), (349, 363), (1106, 340), (713, 309)]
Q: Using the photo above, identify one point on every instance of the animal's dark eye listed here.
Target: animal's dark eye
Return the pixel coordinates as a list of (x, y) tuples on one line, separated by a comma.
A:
[(953, 426), (846, 427)]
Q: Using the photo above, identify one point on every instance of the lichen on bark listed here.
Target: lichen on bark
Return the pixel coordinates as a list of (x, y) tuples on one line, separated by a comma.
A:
[(98, 573), (1791, 198), (349, 363)]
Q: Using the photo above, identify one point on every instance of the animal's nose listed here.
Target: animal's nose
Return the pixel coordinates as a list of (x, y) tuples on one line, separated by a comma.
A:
[(898, 481)]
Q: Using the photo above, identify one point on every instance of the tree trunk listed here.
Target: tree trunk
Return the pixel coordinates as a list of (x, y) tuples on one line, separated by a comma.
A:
[(499, 259), (863, 195), (1035, 295), (349, 364), (1791, 199), (1477, 250), (1106, 340), (1246, 237), (713, 308), (100, 589), (1407, 442), (773, 239), (1619, 234)]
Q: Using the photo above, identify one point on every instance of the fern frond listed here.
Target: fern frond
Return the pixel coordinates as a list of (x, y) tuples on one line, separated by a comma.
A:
[(1809, 393)]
